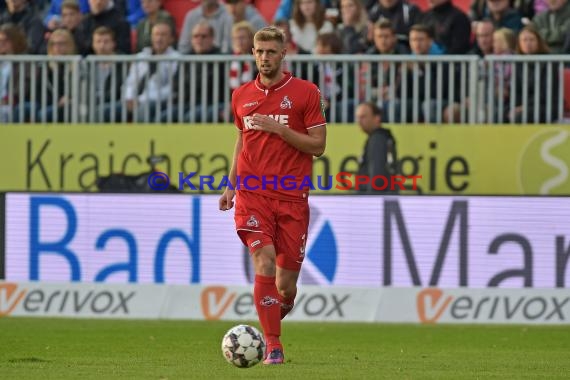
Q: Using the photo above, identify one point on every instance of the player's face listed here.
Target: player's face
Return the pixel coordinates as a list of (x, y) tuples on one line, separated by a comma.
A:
[(268, 57)]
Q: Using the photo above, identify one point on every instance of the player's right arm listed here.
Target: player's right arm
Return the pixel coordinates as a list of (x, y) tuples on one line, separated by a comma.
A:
[(226, 201)]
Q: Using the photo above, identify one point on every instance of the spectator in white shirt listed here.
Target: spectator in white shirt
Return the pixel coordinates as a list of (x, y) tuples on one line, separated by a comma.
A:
[(149, 85), (308, 22)]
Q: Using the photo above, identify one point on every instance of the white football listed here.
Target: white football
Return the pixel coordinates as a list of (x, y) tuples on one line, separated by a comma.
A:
[(243, 346)]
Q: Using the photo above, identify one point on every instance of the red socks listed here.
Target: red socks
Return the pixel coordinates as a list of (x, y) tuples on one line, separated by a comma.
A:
[(286, 304), (268, 308)]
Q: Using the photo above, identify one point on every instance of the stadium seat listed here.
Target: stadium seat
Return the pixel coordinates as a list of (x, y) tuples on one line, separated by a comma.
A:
[(267, 8), (567, 92), (134, 38), (178, 10), (461, 4)]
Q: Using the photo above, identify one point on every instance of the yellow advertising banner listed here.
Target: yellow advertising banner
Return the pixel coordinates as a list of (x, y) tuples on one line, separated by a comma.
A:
[(455, 159)]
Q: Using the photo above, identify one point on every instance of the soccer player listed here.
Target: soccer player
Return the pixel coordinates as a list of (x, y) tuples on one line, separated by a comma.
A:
[(281, 126)]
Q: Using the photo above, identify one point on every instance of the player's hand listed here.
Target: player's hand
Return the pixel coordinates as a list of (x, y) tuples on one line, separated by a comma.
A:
[(265, 123), (226, 200)]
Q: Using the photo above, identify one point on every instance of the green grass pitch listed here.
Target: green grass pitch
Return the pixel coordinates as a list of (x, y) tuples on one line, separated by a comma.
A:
[(110, 349)]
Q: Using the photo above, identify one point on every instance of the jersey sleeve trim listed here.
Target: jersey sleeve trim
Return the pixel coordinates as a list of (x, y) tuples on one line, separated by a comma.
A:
[(248, 230), (315, 126)]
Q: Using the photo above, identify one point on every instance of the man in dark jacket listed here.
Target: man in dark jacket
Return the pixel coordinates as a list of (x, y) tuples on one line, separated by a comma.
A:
[(379, 157), (451, 27), (104, 13), (23, 14), (401, 13), (385, 75)]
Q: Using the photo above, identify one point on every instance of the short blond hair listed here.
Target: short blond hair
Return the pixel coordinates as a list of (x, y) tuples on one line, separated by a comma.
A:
[(270, 33), (508, 36), (68, 37), (243, 25), (71, 4)]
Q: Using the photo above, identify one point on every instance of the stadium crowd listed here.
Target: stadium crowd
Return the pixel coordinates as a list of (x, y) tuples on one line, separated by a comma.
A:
[(313, 27)]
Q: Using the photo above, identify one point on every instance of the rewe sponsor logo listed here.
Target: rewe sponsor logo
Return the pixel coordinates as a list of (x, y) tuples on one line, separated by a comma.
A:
[(434, 304), (65, 302), (281, 119)]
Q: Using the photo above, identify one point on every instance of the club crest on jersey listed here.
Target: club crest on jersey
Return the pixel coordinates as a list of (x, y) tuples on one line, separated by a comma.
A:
[(286, 103), (252, 222)]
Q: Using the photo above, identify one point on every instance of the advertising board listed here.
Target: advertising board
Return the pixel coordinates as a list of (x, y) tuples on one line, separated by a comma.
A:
[(369, 241), (313, 303), (452, 159)]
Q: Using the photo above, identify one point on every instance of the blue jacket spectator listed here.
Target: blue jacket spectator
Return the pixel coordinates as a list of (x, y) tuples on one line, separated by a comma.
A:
[(54, 11), (134, 12), (132, 9), (285, 10)]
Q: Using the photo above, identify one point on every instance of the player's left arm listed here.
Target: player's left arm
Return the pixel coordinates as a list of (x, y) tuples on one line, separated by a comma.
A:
[(314, 142)]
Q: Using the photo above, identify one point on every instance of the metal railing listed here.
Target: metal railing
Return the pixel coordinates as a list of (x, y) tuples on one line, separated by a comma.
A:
[(196, 89), (524, 89)]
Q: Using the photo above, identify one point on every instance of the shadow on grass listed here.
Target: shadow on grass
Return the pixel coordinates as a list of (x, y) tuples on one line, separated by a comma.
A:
[(27, 360)]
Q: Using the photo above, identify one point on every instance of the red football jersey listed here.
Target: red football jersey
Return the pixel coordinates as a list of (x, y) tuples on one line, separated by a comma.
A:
[(267, 164)]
